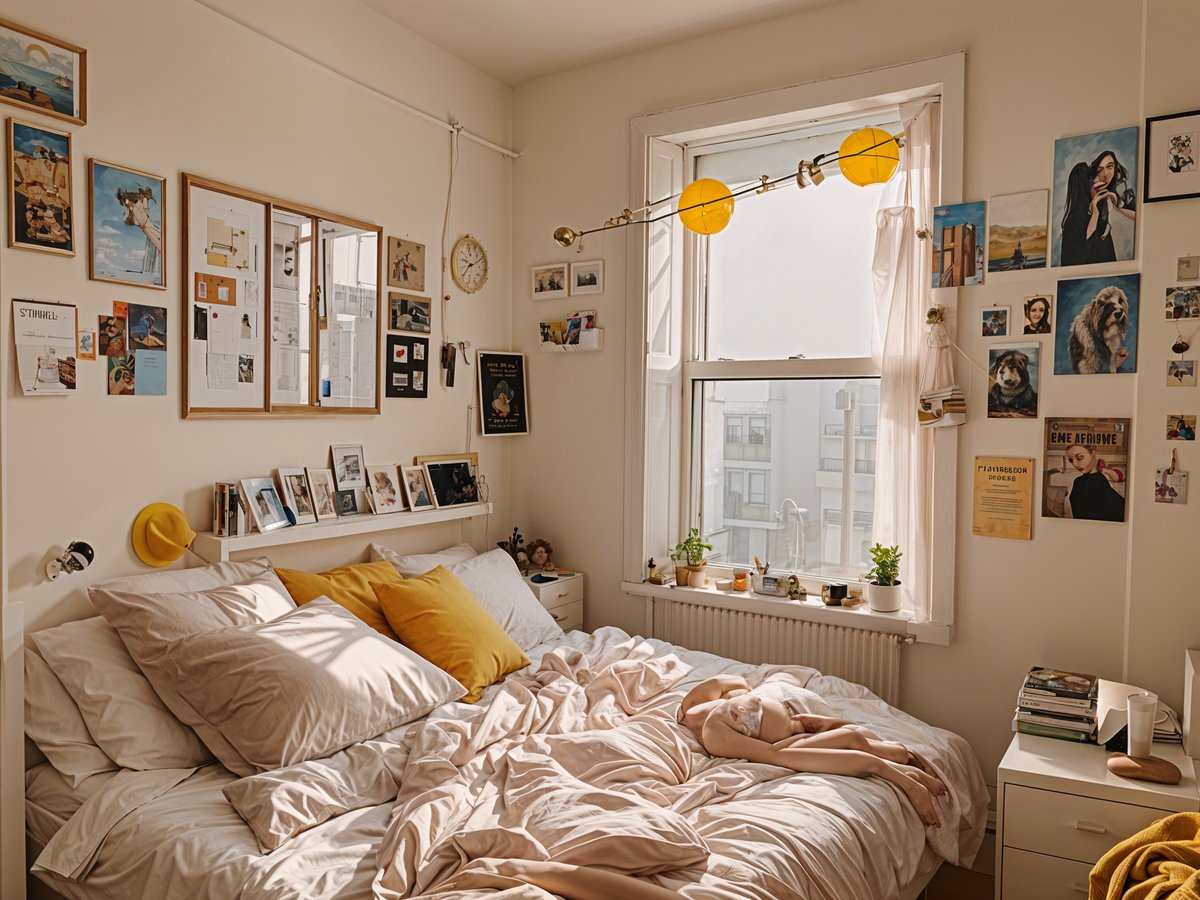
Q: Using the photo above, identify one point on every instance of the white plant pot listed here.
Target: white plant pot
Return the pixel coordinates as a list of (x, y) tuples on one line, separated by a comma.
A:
[(883, 598)]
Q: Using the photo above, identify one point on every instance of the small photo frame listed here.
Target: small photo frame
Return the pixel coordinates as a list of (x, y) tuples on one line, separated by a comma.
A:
[(85, 344), (347, 503), (416, 487), (1170, 486), (1181, 373), (1187, 268), (406, 264), (587, 277), (264, 504), (386, 496), (1183, 303), (452, 482), (407, 312), (293, 484), (1038, 313), (1172, 151), (549, 282), (1181, 428), (349, 467), (994, 321), (323, 492)]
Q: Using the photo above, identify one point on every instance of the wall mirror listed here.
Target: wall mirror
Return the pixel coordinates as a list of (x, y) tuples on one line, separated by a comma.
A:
[(282, 306)]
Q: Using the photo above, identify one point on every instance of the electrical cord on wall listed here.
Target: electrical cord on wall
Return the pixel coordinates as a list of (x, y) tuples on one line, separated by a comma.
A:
[(445, 293)]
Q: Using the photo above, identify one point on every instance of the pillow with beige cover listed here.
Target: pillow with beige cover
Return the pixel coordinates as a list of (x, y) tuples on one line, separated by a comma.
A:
[(54, 723)]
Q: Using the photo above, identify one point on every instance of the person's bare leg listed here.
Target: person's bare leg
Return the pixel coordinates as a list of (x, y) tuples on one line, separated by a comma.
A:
[(855, 737)]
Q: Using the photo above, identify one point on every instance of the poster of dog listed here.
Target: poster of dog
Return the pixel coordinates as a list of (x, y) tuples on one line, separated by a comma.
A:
[(1096, 326), (1013, 382)]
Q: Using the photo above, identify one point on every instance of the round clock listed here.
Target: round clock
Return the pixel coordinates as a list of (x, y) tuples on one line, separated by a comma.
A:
[(469, 263)]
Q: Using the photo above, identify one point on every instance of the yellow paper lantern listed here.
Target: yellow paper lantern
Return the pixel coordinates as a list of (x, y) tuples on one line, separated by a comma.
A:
[(711, 206), (863, 166)]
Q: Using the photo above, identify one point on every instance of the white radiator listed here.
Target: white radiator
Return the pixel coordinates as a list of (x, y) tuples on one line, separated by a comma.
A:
[(869, 658)]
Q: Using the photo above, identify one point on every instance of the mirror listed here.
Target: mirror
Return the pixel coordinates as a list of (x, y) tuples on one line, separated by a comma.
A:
[(291, 308), (347, 315)]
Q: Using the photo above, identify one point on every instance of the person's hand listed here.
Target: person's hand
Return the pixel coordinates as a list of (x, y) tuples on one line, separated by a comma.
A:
[(1100, 197)]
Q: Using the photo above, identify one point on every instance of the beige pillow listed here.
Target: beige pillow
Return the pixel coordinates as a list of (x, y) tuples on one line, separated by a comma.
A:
[(302, 686), (198, 578), (150, 622), (54, 723), (410, 565), (121, 710)]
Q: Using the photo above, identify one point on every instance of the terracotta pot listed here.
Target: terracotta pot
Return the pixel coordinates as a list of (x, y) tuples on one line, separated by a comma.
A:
[(883, 598), (681, 574)]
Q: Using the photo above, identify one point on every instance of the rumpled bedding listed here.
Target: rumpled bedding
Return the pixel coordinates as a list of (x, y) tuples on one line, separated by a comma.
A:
[(576, 758)]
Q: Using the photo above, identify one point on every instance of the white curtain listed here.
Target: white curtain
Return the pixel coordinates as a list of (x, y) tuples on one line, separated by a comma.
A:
[(902, 271)]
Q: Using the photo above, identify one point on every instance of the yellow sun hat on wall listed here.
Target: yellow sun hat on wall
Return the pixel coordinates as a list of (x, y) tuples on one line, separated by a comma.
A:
[(161, 534)]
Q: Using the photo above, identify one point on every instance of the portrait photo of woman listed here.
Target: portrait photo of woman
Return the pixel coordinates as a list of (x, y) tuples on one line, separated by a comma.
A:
[(1037, 314), (1095, 198)]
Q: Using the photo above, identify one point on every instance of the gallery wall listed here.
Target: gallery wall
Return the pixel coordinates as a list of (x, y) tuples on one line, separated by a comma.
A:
[(1108, 598), (174, 88)]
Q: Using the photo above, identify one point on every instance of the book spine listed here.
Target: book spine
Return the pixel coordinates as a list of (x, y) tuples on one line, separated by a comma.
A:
[(1062, 734), (1070, 723), (1047, 702), (235, 512), (219, 506)]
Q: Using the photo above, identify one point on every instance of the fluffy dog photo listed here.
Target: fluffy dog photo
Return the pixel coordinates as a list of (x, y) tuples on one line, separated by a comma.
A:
[(1012, 379), (1096, 326)]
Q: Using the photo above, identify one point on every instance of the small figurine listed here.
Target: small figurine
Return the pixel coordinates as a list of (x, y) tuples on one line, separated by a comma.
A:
[(540, 553)]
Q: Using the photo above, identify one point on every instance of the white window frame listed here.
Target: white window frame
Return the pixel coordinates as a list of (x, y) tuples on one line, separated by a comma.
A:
[(660, 244)]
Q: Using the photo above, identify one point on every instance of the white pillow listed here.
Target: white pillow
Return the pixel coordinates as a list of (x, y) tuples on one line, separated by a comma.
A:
[(121, 709), (497, 584), (149, 624), (198, 578), (412, 565), (54, 723), (304, 685)]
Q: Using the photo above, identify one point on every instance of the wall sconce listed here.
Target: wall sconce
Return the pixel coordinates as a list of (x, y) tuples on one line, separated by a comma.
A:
[(77, 557)]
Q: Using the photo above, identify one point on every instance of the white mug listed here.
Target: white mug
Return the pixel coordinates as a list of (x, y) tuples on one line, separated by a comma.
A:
[(1142, 708)]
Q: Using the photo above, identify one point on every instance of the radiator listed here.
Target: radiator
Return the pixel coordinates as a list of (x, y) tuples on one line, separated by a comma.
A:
[(869, 658)]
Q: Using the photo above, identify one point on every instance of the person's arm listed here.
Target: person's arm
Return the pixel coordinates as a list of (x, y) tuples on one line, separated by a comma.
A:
[(710, 689)]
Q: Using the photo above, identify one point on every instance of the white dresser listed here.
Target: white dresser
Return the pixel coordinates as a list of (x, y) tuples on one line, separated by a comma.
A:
[(1059, 809), (563, 597)]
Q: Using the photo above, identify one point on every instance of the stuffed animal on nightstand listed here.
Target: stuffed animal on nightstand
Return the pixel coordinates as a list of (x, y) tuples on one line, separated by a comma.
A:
[(540, 554)]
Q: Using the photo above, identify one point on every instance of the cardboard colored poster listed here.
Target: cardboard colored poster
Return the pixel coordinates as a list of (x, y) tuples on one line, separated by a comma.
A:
[(1086, 467), (44, 337), (1002, 503)]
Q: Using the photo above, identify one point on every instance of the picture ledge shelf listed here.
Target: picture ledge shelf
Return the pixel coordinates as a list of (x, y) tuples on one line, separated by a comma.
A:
[(219, 549), (592, 339)]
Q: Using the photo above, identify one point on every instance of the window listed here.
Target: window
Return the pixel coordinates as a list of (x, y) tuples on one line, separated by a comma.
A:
[(733, 430), (756, 491)]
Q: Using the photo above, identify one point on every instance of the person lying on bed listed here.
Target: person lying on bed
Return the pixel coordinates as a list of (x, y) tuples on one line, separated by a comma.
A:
[(730, 720)]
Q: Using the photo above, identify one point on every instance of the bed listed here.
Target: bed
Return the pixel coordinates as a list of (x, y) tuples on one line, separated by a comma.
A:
[(576, 756)]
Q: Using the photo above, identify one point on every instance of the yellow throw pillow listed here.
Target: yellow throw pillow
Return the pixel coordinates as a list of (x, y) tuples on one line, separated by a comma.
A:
[(348, 586), (436, 616)]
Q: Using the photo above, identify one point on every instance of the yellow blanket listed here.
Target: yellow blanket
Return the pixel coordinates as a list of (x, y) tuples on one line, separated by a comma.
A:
[(1159, 862)]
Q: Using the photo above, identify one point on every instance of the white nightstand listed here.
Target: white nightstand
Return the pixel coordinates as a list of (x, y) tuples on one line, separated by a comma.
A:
[(563, 597), (1059, 809)]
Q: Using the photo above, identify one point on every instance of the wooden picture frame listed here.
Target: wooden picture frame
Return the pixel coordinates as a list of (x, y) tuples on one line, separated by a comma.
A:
[(60, 79), (41, 211), (442, 457), (417, 491), (387, 496), (127, 215), (503, 395), (1172, 157), (323, 491)]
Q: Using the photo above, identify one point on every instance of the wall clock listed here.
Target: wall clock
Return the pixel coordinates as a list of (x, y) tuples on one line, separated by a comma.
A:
[(469, 264)]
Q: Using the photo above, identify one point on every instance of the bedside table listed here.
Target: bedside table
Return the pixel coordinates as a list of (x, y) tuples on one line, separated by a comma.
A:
[(563, 598), (1059, 809)]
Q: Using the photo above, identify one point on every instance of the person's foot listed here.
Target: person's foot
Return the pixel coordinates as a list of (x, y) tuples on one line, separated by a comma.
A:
[(923, 803), (931, 783)]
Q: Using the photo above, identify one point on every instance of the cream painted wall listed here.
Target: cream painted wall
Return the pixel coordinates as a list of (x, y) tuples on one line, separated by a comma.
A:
[(1035, 71), (173, 88)]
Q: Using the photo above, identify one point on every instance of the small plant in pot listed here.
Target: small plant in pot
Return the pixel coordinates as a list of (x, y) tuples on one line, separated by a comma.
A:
[(690, 561), (883, 591)]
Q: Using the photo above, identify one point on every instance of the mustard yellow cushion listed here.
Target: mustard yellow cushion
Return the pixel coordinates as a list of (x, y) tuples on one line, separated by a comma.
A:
[(436, 616), (347, 586)]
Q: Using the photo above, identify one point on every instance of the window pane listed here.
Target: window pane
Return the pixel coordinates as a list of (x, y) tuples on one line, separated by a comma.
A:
[(781, 498)]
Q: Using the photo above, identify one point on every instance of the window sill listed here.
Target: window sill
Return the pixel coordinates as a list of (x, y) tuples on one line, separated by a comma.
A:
[(810, 610)]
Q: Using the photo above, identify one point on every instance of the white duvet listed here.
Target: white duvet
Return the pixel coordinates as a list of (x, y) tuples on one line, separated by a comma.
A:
[(579, 759)]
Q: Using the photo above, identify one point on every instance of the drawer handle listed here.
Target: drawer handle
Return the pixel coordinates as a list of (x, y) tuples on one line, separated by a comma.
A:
[(558, 618), (1079, 888), (564, 594), (1089, 827)]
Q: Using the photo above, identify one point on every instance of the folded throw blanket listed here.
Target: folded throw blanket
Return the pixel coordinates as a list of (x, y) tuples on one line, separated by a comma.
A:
[(1159, 862)]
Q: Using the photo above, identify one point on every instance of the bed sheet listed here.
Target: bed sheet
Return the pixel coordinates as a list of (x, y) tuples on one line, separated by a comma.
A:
[(851, 837)]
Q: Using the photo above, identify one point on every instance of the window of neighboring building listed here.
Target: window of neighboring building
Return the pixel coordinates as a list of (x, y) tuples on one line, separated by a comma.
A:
[(733, 430)]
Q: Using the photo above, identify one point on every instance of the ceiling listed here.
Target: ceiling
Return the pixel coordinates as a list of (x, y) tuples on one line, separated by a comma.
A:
[(514, 40)]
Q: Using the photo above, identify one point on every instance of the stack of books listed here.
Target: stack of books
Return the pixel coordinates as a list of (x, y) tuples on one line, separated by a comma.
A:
[(1057, 704), (229, 510)]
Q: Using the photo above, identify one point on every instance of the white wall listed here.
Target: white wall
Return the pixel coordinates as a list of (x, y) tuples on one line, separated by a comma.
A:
[(173, 88), (1081, 594)]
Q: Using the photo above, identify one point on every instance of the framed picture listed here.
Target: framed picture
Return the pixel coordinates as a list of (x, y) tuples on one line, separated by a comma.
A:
[(1037, 313), (323, 492), (386, 496), (406, 264), (349, 469), (549, 282), (452, 482), (1017, 231), (958, 244), (127, 225), (587, 277), (42, 73), (86, 343), (1172, 145), (1093, 165), (41, 215), (994, 321), (407, 312), (263, 501), (503, 401), (407, 367), (416, 487), (347, 503), (1013, 382), (1097, 325), (293, 483), (1086, 461)]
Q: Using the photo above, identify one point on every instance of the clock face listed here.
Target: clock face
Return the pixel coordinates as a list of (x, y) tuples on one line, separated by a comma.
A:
[(469, 264)]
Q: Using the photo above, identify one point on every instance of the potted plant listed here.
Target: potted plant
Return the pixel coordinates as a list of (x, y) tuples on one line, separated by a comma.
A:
[(690, 561), (883, 591)]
